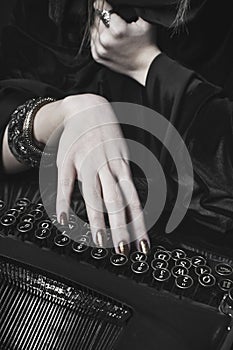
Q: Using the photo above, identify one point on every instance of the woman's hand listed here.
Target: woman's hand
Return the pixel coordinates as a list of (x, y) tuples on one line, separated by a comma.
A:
[(127, 48), (93, 150)]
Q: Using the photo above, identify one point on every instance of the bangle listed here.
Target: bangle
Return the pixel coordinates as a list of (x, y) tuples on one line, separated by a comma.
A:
[(20, 134)]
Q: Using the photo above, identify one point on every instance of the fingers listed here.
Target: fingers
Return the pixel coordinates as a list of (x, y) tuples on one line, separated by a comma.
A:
[(65, 185), (94, 207), (135, 212), (115, 206)]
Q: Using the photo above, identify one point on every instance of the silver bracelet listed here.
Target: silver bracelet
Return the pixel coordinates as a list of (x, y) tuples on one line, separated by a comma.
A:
[(20, 134)]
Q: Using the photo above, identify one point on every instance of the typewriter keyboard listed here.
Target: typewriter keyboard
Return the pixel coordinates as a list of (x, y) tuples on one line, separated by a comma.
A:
[(167, 267)]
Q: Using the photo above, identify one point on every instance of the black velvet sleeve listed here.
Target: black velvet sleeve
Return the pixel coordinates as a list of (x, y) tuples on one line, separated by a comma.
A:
[(203, 116)]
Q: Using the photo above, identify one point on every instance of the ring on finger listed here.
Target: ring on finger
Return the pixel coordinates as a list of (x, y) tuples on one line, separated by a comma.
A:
[(105, 16)]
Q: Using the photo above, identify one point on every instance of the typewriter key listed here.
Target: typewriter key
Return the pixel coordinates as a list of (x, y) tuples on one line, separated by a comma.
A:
[(207, 280), (184, 282), (118, 260), (202, 269), (38, 214), (138, 256), (24, 227), (42, 233), (62, 240), (13, 212), (39, 206), (163, 255), (28, 218), (8, 220), (45, 224), (84, 239), (161, 275), (79, 247), (23, 202), (198, 260), (99, 253), (223, 269), (159, 264), (225, 285), (179, 271), (184, 262), (140, 267), (178, 254), (20, 208)]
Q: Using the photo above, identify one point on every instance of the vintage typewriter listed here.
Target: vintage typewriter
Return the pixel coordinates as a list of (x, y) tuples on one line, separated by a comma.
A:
[(58, 292)]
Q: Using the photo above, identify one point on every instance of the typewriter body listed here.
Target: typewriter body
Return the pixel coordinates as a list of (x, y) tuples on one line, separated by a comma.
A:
[(61, 293)]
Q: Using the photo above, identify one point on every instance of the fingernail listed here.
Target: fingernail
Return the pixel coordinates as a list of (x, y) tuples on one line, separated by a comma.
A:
[(123, 248), (101, 239), (63, 219), (144, 246)]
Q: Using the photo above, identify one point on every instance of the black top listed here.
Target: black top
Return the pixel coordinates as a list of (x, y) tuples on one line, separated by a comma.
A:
[(191, 84)]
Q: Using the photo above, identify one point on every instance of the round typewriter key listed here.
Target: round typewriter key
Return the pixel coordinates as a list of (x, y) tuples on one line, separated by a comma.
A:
[(118, 259), (163, 255), (79, 247), (2, 205), (161, 275), (184, 262), (99, 253), (223, 269), (207, 280), (13, 212), (39, 206), (62, 240), (84, 239), (23, 202), (179, 271), (140, 267), (202, 269), (8, 220), (28, 218), (24, 227), (159, 264), (138, 257), (42, 233), (20, 208), (225, 285), (198, 260), (38, 214), (184, 282), (45, 224), (178, 254)]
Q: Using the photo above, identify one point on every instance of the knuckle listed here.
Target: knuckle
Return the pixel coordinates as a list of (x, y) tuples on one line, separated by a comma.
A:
[(101, 51), (135, 205), (105, 41)]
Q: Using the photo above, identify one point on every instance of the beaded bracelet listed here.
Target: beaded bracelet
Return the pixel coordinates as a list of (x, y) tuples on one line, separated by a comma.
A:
[(20, 133)]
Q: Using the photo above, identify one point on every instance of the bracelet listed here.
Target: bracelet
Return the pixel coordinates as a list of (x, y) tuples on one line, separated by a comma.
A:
[(20, 134)]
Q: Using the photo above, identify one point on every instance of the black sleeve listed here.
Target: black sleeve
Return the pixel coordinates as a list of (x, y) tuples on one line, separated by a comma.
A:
[(203, 117)]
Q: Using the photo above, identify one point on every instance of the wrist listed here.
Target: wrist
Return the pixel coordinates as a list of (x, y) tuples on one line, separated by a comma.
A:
[(148, 57), (74, 104), (48, 118)]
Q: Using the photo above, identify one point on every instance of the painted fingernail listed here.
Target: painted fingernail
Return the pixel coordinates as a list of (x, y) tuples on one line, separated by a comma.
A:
[(144, 246), (123, 248), (101, 239), (63, 219)]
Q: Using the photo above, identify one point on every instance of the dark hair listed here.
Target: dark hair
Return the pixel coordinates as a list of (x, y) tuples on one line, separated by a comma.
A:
[(56, 10)]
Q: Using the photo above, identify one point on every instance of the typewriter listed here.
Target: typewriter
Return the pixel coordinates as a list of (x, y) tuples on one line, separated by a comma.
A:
[(60, 292)]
